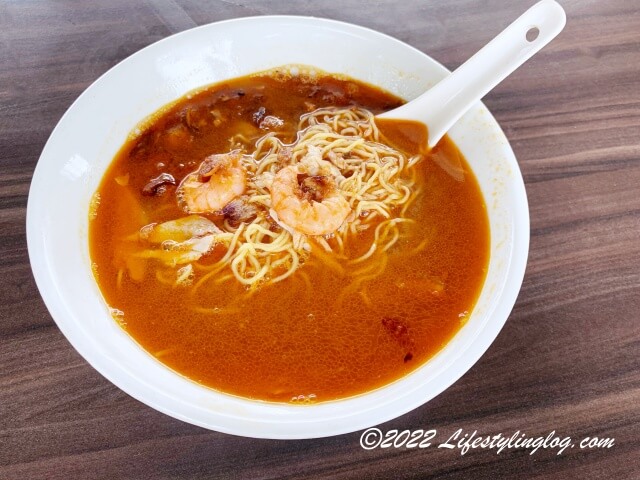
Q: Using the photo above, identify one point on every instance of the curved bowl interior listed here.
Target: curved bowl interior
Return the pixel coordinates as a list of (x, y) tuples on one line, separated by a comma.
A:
[(93, 129)]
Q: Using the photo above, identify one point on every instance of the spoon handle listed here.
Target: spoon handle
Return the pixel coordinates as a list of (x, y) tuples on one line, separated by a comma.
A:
[(441, 106)]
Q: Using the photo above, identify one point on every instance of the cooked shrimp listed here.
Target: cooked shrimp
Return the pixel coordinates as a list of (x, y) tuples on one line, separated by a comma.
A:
[(220, 179), (313, 206)]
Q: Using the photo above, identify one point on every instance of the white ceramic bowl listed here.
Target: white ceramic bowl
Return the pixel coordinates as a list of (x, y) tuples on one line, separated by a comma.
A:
[(96, 125)]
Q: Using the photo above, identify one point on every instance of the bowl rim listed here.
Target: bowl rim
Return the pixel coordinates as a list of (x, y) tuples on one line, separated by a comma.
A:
[(58, 310)]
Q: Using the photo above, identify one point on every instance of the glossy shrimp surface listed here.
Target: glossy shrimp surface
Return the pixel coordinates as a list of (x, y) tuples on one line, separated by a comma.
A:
[(309, 204), (220, 179)]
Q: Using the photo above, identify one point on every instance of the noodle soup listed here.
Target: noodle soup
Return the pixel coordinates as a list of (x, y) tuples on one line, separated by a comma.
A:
[(266, 238)]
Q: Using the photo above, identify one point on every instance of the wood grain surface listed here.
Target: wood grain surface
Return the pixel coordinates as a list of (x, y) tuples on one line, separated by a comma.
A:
[(567, 360)]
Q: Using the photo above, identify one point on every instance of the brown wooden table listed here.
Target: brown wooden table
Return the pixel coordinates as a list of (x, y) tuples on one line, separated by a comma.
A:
[(567, 360)]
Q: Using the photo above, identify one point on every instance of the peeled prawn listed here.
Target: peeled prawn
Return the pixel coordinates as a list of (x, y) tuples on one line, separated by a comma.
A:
[(220, 179), (314, 206)]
